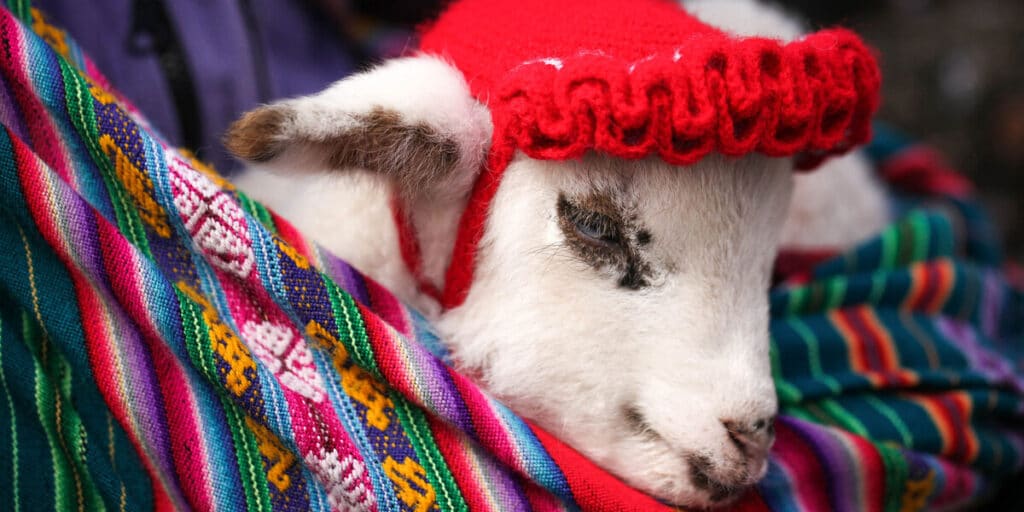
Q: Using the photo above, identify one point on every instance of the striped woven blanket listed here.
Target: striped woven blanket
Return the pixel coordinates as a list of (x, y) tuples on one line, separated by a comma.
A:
[(166, 343)]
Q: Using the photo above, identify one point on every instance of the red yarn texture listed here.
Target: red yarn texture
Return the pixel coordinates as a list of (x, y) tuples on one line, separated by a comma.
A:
[(642, 77)]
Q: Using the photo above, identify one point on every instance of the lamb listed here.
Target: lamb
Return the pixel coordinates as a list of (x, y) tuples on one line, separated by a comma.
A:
[(620, 303)]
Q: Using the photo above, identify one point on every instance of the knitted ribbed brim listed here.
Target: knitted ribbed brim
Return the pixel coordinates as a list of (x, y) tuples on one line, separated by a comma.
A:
[(642, 77)]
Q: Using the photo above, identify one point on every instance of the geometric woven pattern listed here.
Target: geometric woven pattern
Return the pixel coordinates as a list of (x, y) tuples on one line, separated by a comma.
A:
[(166, 343)]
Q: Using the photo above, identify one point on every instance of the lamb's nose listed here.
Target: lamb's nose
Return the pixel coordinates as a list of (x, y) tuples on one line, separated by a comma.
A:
[(751, 437)]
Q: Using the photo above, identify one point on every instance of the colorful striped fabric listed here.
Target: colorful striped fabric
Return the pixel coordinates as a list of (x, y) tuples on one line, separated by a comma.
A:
[(166, 343)]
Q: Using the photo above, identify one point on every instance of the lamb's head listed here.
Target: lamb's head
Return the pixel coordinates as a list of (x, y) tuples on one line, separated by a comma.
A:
[(621, 304)]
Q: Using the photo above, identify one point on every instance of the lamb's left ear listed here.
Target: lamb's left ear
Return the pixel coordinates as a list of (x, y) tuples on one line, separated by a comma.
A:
[(411, 119)]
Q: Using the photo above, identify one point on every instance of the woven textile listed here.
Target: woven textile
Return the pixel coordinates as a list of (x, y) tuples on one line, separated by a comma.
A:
[(166, 343)]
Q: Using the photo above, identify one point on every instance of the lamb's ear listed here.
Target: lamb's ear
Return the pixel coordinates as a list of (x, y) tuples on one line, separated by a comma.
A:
[(412, 119)]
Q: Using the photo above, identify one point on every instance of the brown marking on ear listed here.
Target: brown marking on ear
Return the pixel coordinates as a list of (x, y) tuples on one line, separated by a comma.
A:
[(415, 155), (256, 136)]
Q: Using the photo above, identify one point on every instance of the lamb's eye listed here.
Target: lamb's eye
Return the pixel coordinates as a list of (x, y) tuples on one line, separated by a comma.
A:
[(589, 226), (597, 227)]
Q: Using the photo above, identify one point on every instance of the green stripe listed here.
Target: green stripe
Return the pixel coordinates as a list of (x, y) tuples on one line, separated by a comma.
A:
[(922, 234), (15, 466), (71, 434), (800, 413), (22, 9), (904, 245), (878, 285), (923, 339), (44, 410), (890, 241), (788, 393), (813, 354), (906, 437), (797, 297), (250, 463), (80, 111), (896, 475), (843, 418), (449, 498), (351, 330), (836, 291), (199, 345), (257, 210), (197, 337)]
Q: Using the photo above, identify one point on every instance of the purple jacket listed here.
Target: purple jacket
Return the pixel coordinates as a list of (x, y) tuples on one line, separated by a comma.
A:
[(192, 66)]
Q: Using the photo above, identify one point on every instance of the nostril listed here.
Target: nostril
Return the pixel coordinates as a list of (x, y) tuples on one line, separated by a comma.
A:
[(745, 434), (765, 423)]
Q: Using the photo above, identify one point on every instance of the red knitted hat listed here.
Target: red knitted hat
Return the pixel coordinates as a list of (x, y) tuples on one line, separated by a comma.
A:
[(642, 77)]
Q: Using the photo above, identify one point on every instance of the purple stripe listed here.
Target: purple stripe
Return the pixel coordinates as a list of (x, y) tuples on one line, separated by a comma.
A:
[(498, 481), (992, 365), (79, 234), (345, 276), (9, 114), (833, 454), (991, 302)]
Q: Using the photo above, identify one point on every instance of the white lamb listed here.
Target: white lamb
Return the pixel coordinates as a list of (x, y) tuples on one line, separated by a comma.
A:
[(620, 304)]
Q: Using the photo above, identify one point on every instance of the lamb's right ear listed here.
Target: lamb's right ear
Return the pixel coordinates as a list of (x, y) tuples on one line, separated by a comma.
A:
[(412, 119)]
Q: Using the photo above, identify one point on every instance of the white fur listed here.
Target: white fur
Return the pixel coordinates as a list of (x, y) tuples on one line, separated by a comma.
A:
[(747, 18), (566, 347), (836, 206), (553, 336)]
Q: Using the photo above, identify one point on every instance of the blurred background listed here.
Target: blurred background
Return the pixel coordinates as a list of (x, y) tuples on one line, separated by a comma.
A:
[(953, 77), (953, 69)]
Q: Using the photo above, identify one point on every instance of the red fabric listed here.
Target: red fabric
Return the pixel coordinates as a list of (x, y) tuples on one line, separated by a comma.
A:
[(593, 488), (922, 170), (409, 246), (794, 265), (641, 78)]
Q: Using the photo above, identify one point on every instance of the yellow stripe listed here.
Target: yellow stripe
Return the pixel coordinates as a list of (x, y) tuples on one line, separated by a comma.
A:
[(43, 343), (14, 429)]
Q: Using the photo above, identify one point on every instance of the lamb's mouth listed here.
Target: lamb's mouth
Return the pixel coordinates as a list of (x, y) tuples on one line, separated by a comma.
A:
[(638, 423), (719, 491), (701, 469)]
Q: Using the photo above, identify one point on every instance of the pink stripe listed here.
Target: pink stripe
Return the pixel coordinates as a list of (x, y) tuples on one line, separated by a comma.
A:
[(492, 433), (386, 306), (959, 486), (100, 345), (793, 454), (456, 451), (46, 141), (188, 448), (540, 499)]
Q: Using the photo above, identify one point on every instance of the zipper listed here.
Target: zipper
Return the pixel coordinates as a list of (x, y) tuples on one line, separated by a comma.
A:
[(259, 58), (153, 34)]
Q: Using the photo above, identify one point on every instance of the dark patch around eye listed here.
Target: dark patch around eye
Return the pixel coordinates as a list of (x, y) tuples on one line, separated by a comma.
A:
[(635, 277), (596, 232), (590, 225)]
